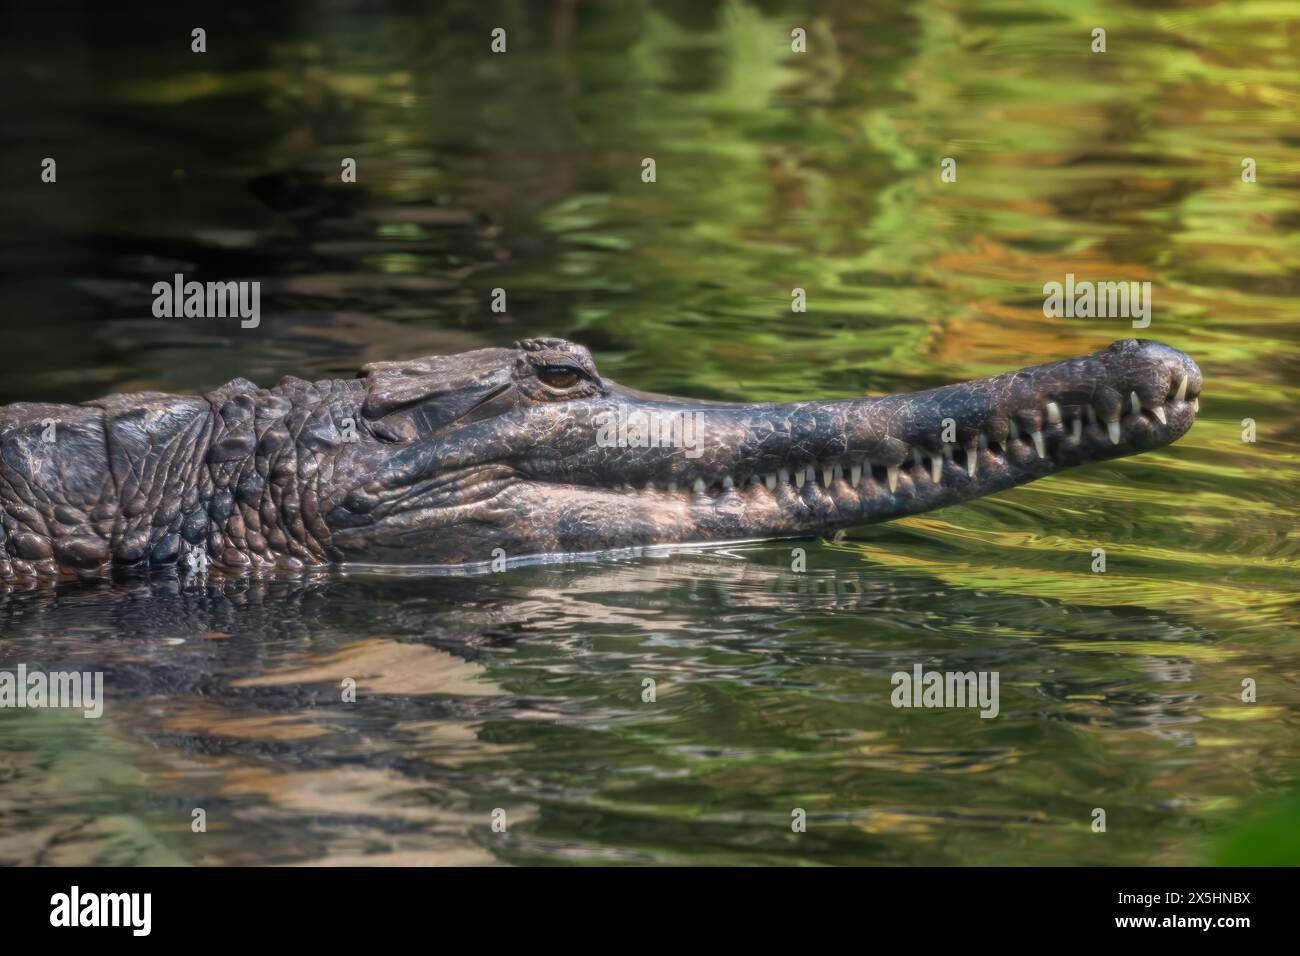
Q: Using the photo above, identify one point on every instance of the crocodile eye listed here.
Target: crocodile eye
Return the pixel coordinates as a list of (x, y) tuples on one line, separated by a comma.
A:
[(558, 376)]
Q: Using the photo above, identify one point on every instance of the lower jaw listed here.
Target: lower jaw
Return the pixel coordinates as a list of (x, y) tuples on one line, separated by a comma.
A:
[(539, 519), (581, 519), (794, 510), (576, 519)]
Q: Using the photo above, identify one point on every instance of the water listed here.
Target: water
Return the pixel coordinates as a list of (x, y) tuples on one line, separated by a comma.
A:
[(523, 691)]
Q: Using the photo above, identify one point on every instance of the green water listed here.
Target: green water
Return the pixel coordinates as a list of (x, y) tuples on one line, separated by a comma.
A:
[(523, 691)]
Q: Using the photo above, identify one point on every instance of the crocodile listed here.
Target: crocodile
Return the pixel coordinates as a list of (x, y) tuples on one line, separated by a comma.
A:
[(528, 453)]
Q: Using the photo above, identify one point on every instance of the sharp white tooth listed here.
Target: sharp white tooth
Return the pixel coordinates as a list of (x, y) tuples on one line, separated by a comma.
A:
[(936, 469), (1181, 394), (837, 473), (799, 476), (698, 487), (783, 476), (972, 459), (1134, 403), (811, 474), (917, 459), (770, 481), (1196, 404), (828, 476), (1159, 412), (728, 483), (1039, 445), (855, 475), (892, 472), (1015, 430), (1076, 429), (1092, 415), (1112, 429), (1054, 413)]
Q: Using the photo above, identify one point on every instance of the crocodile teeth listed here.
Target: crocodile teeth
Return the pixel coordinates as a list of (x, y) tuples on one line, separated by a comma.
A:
[(698, 487), (1196, 404), (770, 481), (855, 475), (892, 472), (936, 469), (972, 459), (1112, 429), (1076, 429), (837, 473), (828, 475), (783, 476), (799, 477), (1039, 445), (1159, 412), (1134, 403), (1181, 394), (1054, 413), (811, 474)]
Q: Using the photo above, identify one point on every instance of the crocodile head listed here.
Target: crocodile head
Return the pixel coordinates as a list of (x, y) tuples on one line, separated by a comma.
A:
[(531, 453)]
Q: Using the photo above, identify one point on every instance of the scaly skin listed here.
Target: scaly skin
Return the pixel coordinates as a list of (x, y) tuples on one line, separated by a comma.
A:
[(444, 460)]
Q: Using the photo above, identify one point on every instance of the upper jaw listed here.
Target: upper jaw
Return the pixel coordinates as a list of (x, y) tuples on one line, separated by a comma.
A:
[(1130, 397)]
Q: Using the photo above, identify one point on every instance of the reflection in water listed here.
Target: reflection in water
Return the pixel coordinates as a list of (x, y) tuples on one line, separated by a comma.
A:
[(523, 691)]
